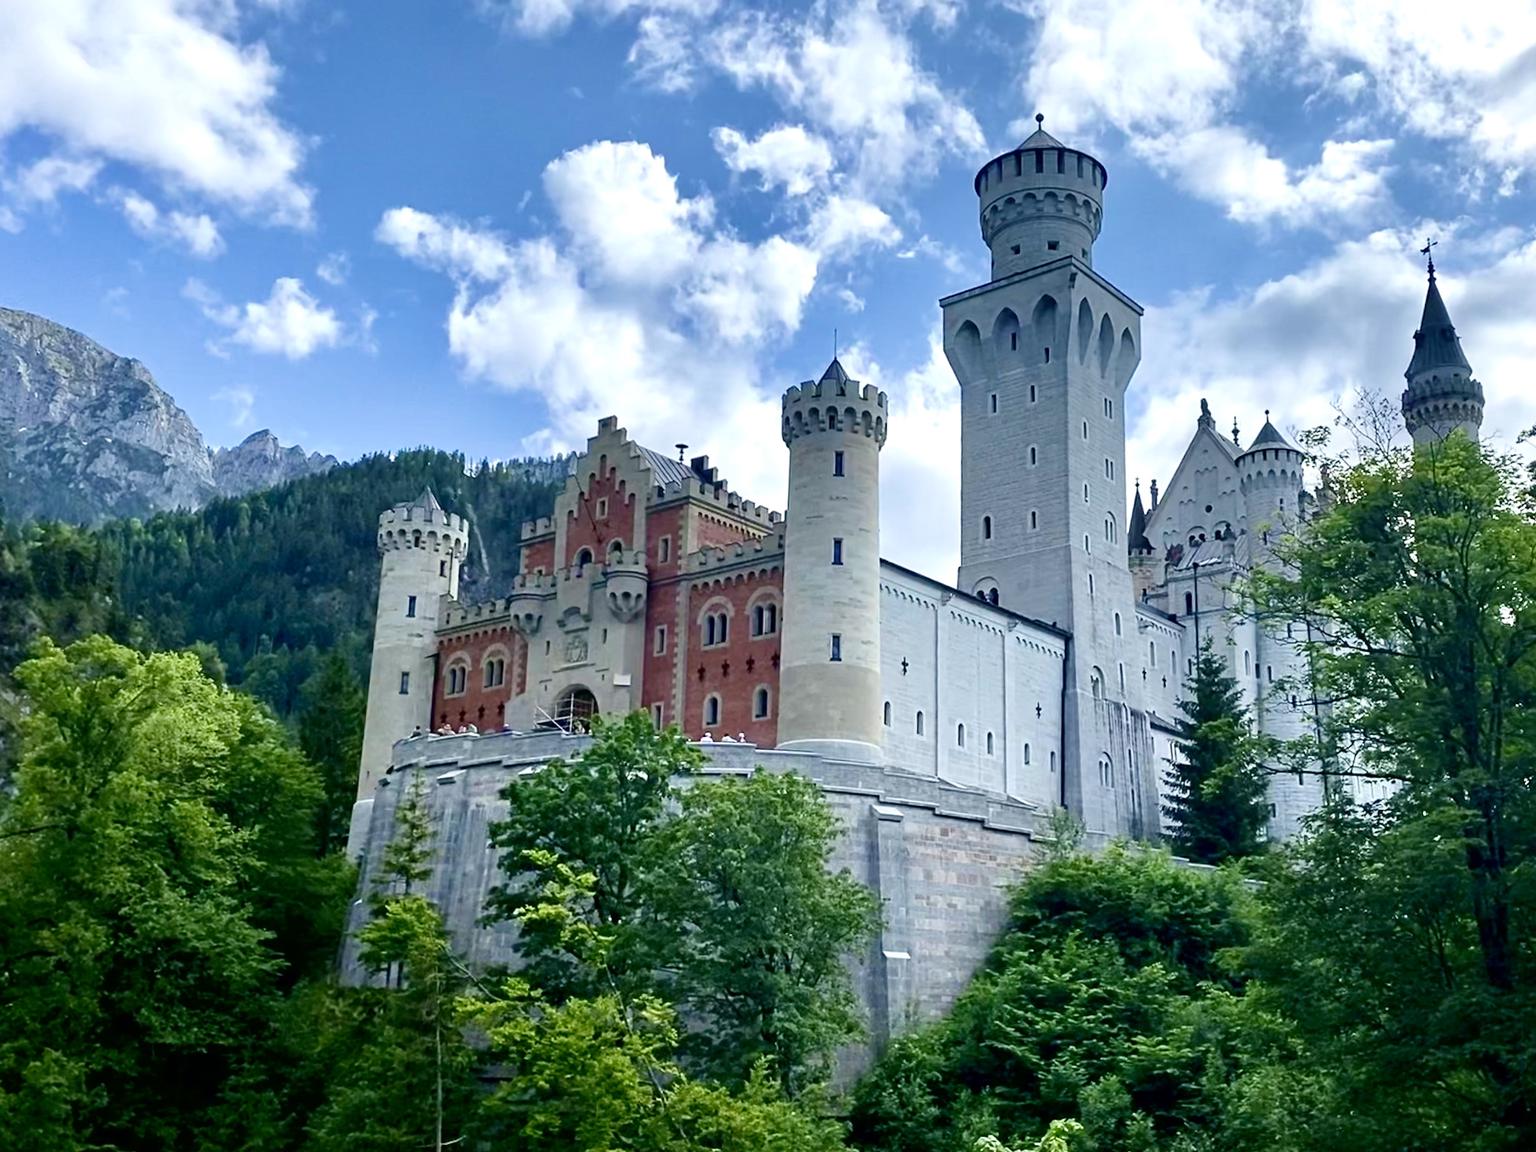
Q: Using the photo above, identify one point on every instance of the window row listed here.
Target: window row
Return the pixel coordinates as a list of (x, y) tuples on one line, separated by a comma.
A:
[(715, 627), (714, 709), (493, 675)]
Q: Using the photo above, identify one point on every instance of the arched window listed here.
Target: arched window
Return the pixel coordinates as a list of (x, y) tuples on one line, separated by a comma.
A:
[(1106, 771), (615, 550), (1026, 753), (989, 743), (583, 558), (886, 716), (919, 723), (711, 711), (715, 629), (986, 527), (959, 735), (992, 597), (1247, 663), (575, 709), (1110, 531), (458, 679), (765, 619), (495, 672), (1096, 684), (1117, 623), (760, 703)]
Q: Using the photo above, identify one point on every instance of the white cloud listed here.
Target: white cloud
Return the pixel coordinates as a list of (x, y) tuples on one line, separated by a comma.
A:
[(669, 335), (1337, 328), (853, 74), (163, 85), (545, 17), (620, 206), (42, 181), (241, 402), (198, 234), (289, 322), (785, 157), (335, 269), (842, 225)]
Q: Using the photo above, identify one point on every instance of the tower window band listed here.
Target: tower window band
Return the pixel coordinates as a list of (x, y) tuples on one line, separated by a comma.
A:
[(837, 647)]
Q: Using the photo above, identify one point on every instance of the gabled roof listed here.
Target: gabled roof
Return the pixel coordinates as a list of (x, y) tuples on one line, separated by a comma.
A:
[(664, 469), (1436, 347), (1206, 426)]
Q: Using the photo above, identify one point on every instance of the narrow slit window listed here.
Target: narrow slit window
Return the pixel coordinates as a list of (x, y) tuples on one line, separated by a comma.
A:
[(837, 549), (837, 647), (405, 683), (410, 605), (837, 462)]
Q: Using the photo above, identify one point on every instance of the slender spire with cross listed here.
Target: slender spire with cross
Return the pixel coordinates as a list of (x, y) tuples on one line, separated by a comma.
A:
[(1426, 252)]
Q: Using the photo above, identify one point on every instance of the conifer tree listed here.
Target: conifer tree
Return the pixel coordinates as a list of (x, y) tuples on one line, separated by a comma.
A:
[(331, 735), (1216, 788)]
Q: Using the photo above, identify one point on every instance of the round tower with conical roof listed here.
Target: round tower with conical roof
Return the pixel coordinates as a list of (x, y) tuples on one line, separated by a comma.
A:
[(421, 548), (1442, 396), (1270, 478), (829, 668)]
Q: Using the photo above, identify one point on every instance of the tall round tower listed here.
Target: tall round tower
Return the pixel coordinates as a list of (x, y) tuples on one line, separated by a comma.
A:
[(829, 669), (1040, 202), (1270, 478), (1442, 395), (421, 549)]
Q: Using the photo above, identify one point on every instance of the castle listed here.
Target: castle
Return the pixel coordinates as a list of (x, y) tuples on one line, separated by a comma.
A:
[(942, 719)]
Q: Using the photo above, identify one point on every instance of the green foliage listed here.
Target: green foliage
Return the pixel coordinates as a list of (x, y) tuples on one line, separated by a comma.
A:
[(331, 737), (278, 580), (757, 931), (714, 897), (595, 814), (1217, 791), (159, 887), (1105, 1003)]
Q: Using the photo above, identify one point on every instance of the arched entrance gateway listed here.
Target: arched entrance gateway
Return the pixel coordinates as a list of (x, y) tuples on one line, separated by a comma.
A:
[(574, 710)]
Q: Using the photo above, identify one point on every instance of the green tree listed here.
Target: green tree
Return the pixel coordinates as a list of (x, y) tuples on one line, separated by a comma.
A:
[(756, 930), (159, 887), (1216, 786), (1407, 926), (331, 735), (1106, 1002), (595, 814)]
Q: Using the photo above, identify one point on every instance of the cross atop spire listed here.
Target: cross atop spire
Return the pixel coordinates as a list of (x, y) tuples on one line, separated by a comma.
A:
[(1429, 255)]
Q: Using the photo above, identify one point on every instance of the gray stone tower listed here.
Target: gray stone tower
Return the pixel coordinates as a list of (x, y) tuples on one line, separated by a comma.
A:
[(421, 548), (829, 674), (1044, 352), (1442, 395)]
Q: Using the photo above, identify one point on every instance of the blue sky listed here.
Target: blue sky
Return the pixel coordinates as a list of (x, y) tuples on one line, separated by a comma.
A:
[(482, 224)]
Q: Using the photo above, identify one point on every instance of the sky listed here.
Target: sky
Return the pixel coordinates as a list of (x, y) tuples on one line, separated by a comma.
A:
[(484, 224)]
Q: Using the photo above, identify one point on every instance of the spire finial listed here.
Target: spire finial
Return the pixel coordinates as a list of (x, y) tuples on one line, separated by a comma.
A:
[(1234, 431), (1266, 415), (1426, 252), (1040, 120), (834, 343), (681, 448)]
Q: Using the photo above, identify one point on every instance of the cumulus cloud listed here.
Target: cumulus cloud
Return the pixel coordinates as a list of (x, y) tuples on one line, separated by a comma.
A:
[(289, 322), (198, 234), (785, 157), (842, 225), (41, 181), (1338, 328), (545, 17), (678, 321), (166, 86)]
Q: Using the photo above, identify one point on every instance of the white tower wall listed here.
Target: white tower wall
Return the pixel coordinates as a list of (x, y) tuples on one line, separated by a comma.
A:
[(421, 548), (830, 701)]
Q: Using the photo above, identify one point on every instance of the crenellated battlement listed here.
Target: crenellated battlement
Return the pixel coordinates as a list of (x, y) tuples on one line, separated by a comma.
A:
[(1040, 202), (724, 498), (425, 527), (836, 404), (708, 559), (452, 614), (533, 529)]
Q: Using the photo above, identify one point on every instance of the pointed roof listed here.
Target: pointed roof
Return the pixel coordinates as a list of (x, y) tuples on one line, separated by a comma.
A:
[(1136, 537), (427, 500), (1436, 346), (834, 373), (1040, 138), (1270, 437)]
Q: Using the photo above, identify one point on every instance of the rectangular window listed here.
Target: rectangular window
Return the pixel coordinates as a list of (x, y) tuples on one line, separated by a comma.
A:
[(1052, 245), (1085, 429), (1013, 341), (656, 715), (410, 605), (661, 639), (442, 567), (837, 463), (405, 683), (1031, 393), (664, 549), (837, 646), (602, 508), (837, 549), (992, 400)]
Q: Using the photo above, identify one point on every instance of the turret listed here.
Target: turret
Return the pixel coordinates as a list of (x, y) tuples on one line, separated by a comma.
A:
[(829, 676), (1442, 394), (421, 548), (1040, 202), (1139, 551), (1270, 478)]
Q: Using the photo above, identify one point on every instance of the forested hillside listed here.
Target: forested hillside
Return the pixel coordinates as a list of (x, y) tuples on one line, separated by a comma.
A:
[(276, 580)]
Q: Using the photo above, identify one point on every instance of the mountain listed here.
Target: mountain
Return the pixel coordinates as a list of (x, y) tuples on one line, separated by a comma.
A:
[(86, 434), (259, 461)]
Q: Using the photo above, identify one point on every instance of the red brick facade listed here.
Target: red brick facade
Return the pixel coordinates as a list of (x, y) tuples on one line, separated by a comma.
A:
[(478, 704)]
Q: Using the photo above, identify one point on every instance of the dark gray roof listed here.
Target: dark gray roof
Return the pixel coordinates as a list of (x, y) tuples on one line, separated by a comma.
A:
[(428, 500), (1436, 347), (1270, 437), (1040, 138), (835, 374), (665, 469)]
